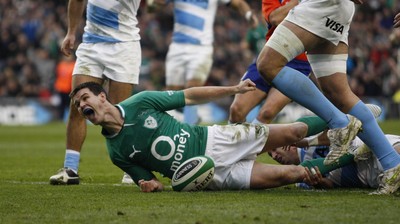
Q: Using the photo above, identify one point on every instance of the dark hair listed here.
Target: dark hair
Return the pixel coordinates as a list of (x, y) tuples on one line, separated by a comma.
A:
[(94, 87)]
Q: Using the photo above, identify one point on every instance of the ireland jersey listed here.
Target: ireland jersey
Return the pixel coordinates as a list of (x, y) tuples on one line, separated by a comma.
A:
[(151, 139)]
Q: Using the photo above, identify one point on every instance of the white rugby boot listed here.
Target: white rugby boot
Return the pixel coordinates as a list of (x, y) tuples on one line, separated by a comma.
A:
[(340, 139), (64, 176), (390, 182)]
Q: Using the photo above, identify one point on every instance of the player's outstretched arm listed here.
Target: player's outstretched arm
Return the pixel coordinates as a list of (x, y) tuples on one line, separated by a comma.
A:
[(199, 95)]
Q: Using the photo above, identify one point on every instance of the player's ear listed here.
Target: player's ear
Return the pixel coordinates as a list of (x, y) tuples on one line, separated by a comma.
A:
[(103, 97)]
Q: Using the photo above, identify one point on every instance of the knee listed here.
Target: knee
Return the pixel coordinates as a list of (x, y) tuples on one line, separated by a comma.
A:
[(237, 113), (266, 115), (298, 131), (268, 67)]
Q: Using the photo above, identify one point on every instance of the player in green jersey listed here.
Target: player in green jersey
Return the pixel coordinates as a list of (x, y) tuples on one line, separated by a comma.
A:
[(142, 138)]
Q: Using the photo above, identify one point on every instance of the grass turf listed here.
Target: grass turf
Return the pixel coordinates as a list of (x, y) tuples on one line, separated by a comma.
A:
[(29, 155)]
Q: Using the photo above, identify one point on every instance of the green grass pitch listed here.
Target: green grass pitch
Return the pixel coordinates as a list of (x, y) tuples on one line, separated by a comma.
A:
[(29, 155)]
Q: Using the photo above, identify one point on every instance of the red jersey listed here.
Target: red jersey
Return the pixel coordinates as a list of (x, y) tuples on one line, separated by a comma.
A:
[(268, 6)]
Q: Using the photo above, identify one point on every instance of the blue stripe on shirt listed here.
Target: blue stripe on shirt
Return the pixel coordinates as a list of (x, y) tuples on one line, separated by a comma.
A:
[(93, 38), (102, 16), (183, 38), (188, 19), (199, 3)]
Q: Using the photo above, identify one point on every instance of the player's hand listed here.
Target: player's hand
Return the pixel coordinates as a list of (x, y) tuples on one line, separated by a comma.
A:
[(254, 21), (149, 185), (68, 44), (246, 86), (396, 22), (313, 177)]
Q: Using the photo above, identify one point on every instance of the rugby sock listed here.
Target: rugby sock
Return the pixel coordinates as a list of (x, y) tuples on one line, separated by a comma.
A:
[(190, 115), (72, 160), (373, 136), (301, 89), (324, 169), (315, 124)]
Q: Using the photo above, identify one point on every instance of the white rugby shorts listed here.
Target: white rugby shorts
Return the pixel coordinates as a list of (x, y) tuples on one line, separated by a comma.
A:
[(115, 61), (187, 62), (234, 148), (329, 19)]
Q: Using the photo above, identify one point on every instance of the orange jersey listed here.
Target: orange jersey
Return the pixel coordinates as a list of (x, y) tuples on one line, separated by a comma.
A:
[(64, 76), (268, 6)]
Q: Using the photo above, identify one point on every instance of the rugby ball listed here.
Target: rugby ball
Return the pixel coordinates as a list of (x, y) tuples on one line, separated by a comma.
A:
[(194, 174)]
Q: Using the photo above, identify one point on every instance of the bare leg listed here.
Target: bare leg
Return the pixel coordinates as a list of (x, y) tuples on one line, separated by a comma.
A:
[(284, 134), (269, 176), (274, 103), (243, 104)]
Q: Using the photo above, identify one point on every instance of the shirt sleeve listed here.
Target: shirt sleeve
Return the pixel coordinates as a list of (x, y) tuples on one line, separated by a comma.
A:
[(159, 100), (138, 173), (268, 6)]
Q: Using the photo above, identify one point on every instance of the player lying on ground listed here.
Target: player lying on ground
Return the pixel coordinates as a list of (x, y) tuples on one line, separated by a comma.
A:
[(142, 138), (358, 170)]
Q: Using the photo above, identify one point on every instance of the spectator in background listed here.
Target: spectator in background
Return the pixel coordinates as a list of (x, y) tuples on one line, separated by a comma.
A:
[(63, 82), (30, 81), (9, 83)]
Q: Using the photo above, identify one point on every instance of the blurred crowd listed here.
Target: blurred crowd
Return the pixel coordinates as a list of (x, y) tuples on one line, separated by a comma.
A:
[(31, 32)]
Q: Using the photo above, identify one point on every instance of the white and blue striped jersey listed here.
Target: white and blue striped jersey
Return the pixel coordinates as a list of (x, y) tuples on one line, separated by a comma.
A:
[(364, 173), (361, 174), (111, 21), (313, 152), (194, 21)]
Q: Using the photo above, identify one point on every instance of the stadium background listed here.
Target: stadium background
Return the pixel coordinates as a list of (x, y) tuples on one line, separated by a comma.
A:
[(30, 61)]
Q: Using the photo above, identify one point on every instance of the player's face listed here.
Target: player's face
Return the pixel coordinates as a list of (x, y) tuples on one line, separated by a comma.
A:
[(89, 105), (285, 155)]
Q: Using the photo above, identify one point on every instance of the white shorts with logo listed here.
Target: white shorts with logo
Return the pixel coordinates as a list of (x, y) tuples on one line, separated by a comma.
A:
[(234, 149), (329, 19), (188, 62), (115, 61)]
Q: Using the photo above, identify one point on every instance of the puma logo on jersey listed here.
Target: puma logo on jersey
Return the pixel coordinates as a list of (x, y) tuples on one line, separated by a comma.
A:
[(333, 25), (134, 152), (150, 122)]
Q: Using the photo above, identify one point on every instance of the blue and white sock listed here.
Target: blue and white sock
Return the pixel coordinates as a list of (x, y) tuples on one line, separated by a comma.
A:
[(190, 115), (72, 159), (373, 136), (301, 89)]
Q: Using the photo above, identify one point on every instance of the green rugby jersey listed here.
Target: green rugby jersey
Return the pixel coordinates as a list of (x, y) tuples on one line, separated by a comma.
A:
[(151, 139)]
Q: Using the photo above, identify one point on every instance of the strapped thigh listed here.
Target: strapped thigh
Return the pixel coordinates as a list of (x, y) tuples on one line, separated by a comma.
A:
[(327, 64), (284, 41)]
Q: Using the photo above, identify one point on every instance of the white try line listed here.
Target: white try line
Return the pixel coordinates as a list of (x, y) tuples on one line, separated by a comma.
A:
[(87, 184)]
